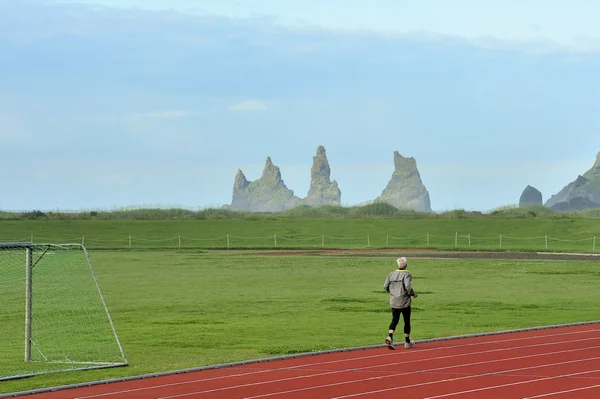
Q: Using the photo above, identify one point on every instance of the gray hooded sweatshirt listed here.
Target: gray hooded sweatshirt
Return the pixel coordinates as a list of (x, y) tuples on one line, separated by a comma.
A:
[(399, 284)]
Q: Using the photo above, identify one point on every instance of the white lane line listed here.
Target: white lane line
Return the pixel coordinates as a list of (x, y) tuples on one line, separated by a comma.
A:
[(475, 376), (563, 392), (512, 384), (360, 380), (359, 358)]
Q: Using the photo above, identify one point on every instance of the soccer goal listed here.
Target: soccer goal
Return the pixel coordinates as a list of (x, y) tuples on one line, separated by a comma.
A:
[(53, 316)]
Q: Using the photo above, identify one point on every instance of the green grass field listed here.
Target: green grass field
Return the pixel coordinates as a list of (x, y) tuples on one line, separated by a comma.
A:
[(183, 308), (474, 233)]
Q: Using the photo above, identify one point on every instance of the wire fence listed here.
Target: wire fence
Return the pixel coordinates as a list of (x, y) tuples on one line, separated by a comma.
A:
[(459, 241)]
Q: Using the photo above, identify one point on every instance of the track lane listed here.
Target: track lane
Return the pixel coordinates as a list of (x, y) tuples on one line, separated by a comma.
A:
[(373, 367)]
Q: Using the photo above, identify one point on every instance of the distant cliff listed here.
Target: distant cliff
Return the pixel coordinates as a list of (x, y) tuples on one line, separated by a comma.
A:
[(270, 194), (405, 189), (582, 193)]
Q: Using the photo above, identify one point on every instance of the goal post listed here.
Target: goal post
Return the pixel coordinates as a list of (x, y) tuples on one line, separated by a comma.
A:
[(53, 316)]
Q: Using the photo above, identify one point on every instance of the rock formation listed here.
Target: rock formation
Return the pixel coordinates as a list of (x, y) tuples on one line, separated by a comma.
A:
[(574, 204), (267, 194), (571, 190), (240, 199), (322, 190), (583, 193), (270, 194), (405, 190), (531, 197)]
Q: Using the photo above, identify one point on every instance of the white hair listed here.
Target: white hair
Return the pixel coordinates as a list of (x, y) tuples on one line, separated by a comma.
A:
[(402, 262)]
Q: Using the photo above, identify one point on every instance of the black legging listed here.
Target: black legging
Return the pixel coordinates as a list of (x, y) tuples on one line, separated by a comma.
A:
[(396, 318)]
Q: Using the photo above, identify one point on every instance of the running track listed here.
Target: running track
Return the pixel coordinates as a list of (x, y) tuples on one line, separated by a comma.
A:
[(558, 362)]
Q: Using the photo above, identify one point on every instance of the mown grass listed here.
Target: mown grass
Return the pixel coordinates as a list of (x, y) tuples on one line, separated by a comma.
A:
[(470, 233), (181, 309)]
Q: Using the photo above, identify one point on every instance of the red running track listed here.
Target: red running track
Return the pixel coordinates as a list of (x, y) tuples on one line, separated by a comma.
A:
[(562, 362)]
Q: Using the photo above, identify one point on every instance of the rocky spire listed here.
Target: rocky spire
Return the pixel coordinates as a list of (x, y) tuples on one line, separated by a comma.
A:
[(405, 189), (322, 190), (238, 200), (240, 182), (271, 173), (267, 194)]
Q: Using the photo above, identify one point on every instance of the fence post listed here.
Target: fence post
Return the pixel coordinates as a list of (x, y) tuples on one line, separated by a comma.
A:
[(275, 239), (427, 239), (83, 241), (500, 241), (129, 241), (594, 245), (546, 240), (323, 240), (387, 240), (368, 241), (456, 239), (179, 237), (227, 240), (469, 239)]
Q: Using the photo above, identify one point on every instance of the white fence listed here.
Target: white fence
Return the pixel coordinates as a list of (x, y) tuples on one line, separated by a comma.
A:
[(232, 241)]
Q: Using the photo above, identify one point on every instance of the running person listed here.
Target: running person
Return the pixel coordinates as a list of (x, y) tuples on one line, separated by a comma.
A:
[(399, 284)]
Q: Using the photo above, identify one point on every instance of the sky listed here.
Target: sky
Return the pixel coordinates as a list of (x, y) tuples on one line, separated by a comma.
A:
[(118, 103), (566, 22)]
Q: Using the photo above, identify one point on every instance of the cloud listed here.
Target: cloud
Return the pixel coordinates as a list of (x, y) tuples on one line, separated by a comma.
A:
[(219, 57), (249, 105)]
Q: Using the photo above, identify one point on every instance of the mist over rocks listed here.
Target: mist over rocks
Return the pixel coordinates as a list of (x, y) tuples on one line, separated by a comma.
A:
[(405, 189)]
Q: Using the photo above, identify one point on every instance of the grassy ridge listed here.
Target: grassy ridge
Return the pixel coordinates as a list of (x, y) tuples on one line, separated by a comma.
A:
[(475, 233), (180, 309), (374, 210)]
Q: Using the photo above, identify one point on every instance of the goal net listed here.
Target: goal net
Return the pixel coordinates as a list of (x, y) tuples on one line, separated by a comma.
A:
[(53, 315)]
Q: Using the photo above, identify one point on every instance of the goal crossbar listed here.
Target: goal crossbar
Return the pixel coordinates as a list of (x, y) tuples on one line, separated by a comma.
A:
[(15, 244)]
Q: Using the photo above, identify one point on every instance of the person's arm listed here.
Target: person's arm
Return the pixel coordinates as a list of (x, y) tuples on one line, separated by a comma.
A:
[(386, 284), (408, 285)]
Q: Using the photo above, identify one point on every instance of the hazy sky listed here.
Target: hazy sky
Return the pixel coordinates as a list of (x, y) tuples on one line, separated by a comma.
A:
[(569, 22), (111, 106)]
